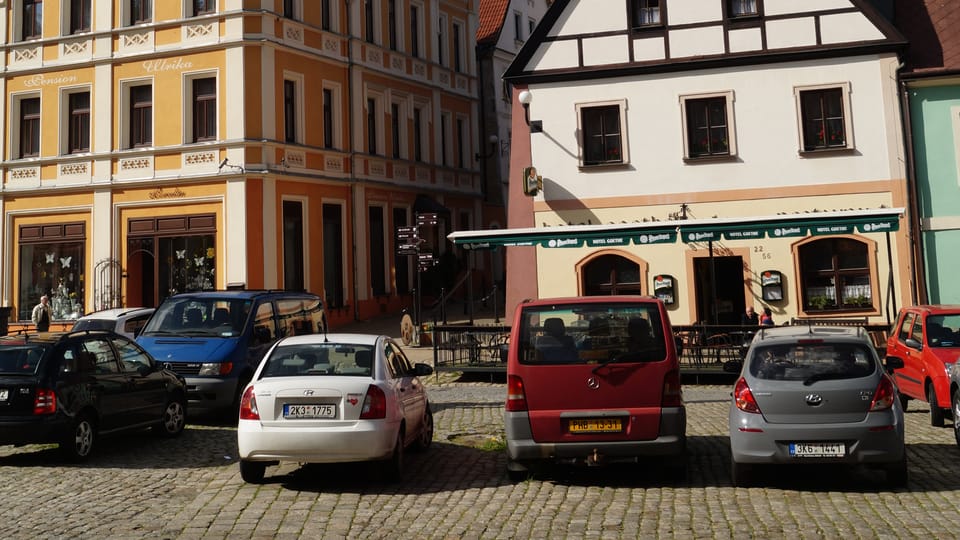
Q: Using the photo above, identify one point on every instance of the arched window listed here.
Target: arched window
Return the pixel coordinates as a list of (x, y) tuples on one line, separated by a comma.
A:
[(835, 275), (611, 274)]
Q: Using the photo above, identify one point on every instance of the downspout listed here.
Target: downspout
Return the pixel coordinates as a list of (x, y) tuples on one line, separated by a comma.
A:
[(918, 285), (352, 179)]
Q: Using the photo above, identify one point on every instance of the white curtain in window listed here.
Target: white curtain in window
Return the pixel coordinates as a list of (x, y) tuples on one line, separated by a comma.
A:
[(743, 7)]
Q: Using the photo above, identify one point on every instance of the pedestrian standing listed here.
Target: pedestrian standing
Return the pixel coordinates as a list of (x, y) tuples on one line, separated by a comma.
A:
[(42, 314), (767, 318)]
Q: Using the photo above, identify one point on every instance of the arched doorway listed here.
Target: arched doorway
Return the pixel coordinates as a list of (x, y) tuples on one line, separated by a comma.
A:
[(610, 274)]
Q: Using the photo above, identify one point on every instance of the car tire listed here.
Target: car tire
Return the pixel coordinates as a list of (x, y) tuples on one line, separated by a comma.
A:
[(741, 474), (956, 416), (897, 473), (903, 401), (422, 444), (252, 472), (517, 472), (936, 413), (79, 442), (174, 418), (393, 467)]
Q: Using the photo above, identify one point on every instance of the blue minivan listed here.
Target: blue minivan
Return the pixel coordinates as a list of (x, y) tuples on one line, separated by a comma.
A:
[(216, 339)]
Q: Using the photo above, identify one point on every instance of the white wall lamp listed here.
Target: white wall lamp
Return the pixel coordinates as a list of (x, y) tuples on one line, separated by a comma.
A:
[(536, 126), (493, 140)]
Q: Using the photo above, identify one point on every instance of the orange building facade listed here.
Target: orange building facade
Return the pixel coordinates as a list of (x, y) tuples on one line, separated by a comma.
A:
[(152, 147)]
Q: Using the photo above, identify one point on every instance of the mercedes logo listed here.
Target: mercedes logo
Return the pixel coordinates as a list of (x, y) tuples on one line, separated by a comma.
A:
[(167, 365), (813, 399), (593, 383)]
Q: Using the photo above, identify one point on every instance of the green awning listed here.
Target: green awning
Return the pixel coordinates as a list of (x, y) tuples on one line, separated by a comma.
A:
[(690, 230)]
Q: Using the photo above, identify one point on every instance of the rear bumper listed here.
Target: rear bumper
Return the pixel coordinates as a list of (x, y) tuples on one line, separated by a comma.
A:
[(366, 440), (670, 443), (32, 429), (863, 442)]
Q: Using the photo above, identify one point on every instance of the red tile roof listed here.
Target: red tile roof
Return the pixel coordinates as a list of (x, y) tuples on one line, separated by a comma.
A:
[(492, 15), (933, 29)]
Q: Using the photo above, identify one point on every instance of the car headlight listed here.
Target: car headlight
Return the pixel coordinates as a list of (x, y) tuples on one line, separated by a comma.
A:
[(209, 369), (948, 367)]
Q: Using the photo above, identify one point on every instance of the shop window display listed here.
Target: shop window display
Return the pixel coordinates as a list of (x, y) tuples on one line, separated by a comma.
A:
[(54, 269)]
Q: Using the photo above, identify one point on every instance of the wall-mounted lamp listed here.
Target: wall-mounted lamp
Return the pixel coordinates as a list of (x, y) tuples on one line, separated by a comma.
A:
[(526, 97), (493, 140), (225, 163)]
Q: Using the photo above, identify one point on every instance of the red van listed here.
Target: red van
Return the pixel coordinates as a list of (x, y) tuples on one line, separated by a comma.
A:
[(593, 380)]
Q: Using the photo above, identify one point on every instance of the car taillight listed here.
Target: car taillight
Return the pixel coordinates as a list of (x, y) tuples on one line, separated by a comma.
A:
[(374, 404), (883, 396), (516, 397), (45, 401), (672, 395), (248, 405), (744, 397)]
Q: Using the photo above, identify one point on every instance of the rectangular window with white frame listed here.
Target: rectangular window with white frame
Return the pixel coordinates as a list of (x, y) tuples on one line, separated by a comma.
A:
[(603, 133), (370, 11), (458, 46), (326, 15), (202, 7), (442, 40), (294, 235), (293, 9), (418, 134), (392, 29), (76, 16), (824, 118), (462, 142), (139, 11), (396, 132), (293, 120), (708, 125), (371, 126), (444, 136), (518, 26), (137, 107), (328, 118), (416, 29), (75, 126), (26, 130), (201, 121), (31, 19)]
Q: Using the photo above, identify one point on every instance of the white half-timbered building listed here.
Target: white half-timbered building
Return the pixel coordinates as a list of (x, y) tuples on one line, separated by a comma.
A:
[(717, 153)]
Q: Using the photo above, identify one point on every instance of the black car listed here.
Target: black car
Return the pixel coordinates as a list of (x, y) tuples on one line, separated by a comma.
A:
[(71, 387)]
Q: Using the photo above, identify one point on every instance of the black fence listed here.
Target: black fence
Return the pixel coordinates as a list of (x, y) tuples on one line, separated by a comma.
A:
[(704, 349)]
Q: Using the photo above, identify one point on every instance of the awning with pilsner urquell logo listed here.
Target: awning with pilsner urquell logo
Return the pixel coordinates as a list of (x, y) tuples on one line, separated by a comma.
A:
[(688, 230)]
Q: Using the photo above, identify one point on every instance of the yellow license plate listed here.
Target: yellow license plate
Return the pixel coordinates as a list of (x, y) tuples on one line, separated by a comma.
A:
[(596, 425)]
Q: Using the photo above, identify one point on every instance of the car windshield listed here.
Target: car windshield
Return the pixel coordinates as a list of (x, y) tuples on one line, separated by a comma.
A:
[(199, 316), (811, 362), (94, 324), (319, 359), (600, 333), (943, 330), (21, 358)]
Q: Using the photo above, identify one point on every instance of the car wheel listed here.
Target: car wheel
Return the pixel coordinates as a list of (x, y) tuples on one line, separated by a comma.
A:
[(426, 432), (252, 472), (936, 413), (174, 419), (517, 472), (903, 401), (956, 416), (741, 474), (897, 473), (78, 443), (393, 467)]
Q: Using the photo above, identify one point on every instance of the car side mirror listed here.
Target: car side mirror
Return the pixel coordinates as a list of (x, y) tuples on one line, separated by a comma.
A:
[(144, 370), (892, 363), (422, 370), (913, 344)]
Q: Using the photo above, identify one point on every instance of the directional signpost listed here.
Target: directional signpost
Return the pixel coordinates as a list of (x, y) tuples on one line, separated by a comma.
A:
[(408, 242)]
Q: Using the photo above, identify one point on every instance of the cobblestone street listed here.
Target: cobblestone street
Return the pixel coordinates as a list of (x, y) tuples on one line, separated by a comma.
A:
[(141, 486)]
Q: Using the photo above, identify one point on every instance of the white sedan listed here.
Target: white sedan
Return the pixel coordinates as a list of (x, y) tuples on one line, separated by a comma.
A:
[(330, 399)]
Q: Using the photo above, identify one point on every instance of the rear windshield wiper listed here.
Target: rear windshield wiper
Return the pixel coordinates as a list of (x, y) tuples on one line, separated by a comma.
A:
[(631, 356)]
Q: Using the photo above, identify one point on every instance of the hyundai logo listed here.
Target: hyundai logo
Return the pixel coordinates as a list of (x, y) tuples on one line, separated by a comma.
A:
[(814, 399), (593, 383), (308, 392)]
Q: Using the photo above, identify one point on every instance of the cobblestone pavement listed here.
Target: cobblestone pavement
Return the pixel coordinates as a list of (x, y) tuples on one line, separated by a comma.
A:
[(139, 486)]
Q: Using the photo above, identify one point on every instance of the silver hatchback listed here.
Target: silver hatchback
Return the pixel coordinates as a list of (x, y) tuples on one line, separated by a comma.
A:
[(815, 395)]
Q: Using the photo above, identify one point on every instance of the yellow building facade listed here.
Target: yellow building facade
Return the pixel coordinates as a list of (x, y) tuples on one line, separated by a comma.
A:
[(153, 147)]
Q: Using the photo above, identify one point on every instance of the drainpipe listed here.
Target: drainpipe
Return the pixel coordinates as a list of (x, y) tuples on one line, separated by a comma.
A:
[(918, 285), (355, 188)]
